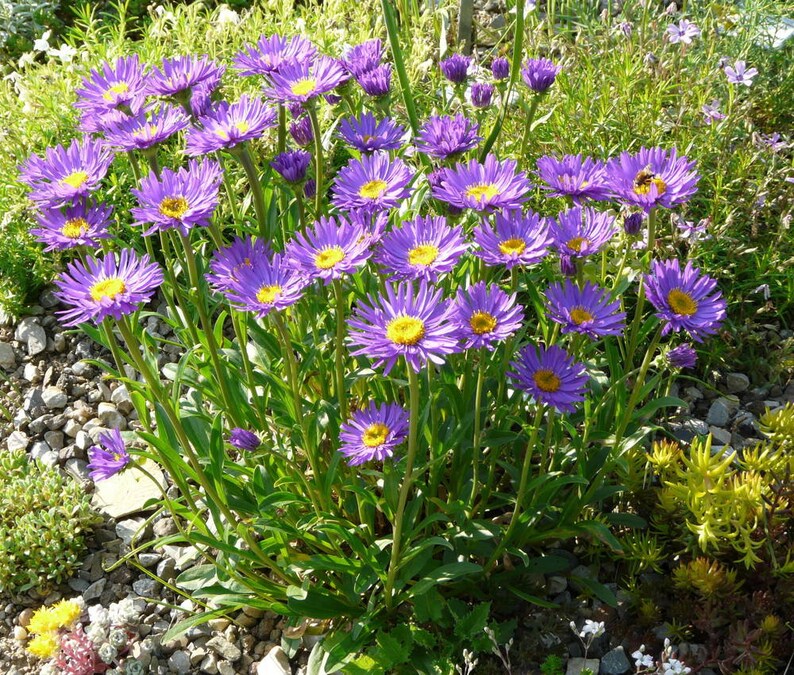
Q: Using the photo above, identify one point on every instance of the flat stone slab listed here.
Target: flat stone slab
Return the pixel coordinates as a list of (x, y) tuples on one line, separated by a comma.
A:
[(128, 491)]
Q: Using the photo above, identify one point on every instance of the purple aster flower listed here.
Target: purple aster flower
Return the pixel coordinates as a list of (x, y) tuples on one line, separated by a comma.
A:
[(415, 325), (146, 129), (739, 73), (485, 315), (653, 177), (292, 165), (574, 177), (500, 68), (373, 183), (181, 75), (481, 94), (309, 188), (98, 123), (456, 68), (301, 132), (684, 32), (373, 225), (683, 356), (178, 199), (229, 124), (271, 53), (483, 187), (82, 224), (422, 248), (632, 223), (567, 265), (373, 433), (368, 135), (691, 232), (444, 136), (332, 248), (587, 310), (304, 80), (109, 457), (376, 82), (363, 58), (550, 376), (517, 240), (539, 74), (114, 286), (579, 232), (685, 299), (116, 87), (242, 439), (66, 175), (262, 288), (227, 262)]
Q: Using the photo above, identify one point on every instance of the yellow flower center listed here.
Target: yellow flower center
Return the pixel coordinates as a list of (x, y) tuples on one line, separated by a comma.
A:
[(373, 189), (147, 130), (512, 246), (546, 380), (424, 255), (173, 207), (577, 243), (74, 227), (304, 87), (329, 257), (682, 302), (375, 435), (75, 179), (242, 126), (580, 315), (482, 322), (366, 138), (405, 330), (221, 133), (643, 181), (481, 190), (107, 288), (115, 90), (268, 294)]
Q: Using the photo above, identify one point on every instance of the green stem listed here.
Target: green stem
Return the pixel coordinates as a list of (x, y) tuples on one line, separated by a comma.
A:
[(282, 128), (229, 187), (476, 441), (397, 51), (318, 159), (341, 394), (533, 107), (243, 155), (239, 324)]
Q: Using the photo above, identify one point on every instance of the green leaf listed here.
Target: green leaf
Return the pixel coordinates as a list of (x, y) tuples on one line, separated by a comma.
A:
[(444, 574), (315, 604), (532, 599), (474, 622), (598, 589), (390, 651)]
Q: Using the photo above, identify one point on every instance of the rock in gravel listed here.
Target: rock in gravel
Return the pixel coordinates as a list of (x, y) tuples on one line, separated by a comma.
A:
[(220, 645), (147, 588), (39, 449), (721, 410), (720, 436), (737, 383), (615, 662), (110, 417), (17, 440), (179, 662), (121, 398), (8, 360), (95, 590), (275, 663), (127, 529), (78, 468), (128, 491), (54, 398), (33, 334), (578, 664), (209, 664), (54, 439), (226, 668)]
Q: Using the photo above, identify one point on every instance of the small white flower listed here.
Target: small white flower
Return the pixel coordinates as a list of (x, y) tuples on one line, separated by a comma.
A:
[(26, 59), (65, 53), (43, 43), (226, 17), (596, 628), (675, 667)]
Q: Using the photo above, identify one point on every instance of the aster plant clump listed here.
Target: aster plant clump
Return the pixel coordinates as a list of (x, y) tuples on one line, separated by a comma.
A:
[(410, 371)]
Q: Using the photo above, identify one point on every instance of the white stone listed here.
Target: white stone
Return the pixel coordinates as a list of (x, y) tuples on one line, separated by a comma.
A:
[(8, 360), (82, 440), (31, 332), (127, 529), (72, 428), (30, 372), (127, 492), (110, 417), (39, 449), (17, 440), (277, 663), (121, 397), (78, 468), (54, 398)]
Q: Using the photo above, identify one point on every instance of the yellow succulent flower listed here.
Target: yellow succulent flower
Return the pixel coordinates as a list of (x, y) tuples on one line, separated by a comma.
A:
[(45, 645)]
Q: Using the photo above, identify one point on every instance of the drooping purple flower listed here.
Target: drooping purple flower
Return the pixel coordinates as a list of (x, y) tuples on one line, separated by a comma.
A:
[(517, 239), (684, 32), (632, 223), (456, 68), (85, 223), (368, 135), (485, 315), (481, 94), (653, 177), (567, 265), (373, 225), (270, 286), (739, 73), (539, 74), (146, 130), (292, 165), (693, 232), (587, 310), (403, 323), (180, 76), (373, 183), (683, 356), (65, 175), (575, 177), (483, 187), (304, 80), (363, 58), (109, 457), (445, 136), (243, 439), (179, 199), (115, 87), (301, 131), (500, 68), (422, 248), (550, 376), (309, 188), (332, 248), (113, 286), (685, 299), (229, 124), (270, 53), (376, 82), (373, 433), (97, 123), (580, 232), (227, 262)]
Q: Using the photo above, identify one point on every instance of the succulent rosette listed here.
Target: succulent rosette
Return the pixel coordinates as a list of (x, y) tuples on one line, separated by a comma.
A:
[(582, 231), (366, 134), (84, 223), (483, 187), (551, 376), (109, 457), (270, 286), (120, 86), (270, 53), (146, 129), (587, 310), (575, 177), (485, 315), (444, 136), (227, 262), (373, 433), (516, 239), (229, 124), (304, 80), (372, 183)]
